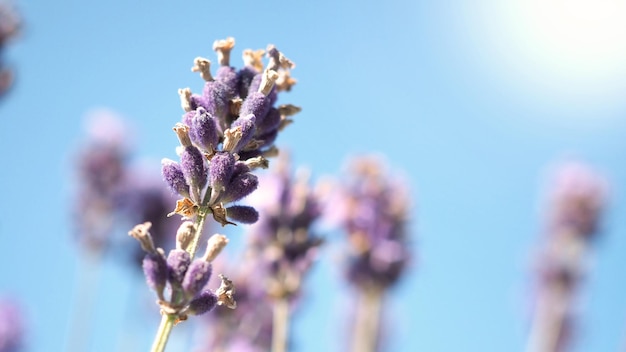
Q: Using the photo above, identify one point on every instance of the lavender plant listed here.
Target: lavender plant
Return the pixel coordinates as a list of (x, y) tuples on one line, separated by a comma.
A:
[(9, 27), (283, 243), (225, 134), (578, 196), (372, 208), (11, 326)]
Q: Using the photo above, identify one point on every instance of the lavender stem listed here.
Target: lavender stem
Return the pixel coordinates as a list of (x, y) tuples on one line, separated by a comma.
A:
[(365, 337), (280, 328)]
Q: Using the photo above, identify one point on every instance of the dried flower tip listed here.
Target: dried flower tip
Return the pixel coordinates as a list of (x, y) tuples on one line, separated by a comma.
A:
[(254, 58), (277, 59), (182, 131), (185, 234), (185, 99), (284, 123), (288, 110), (186, 208), (257, 162), (219, 214), (141, 234), (267, 81), (203, 66), (225, 293), (271, 152), (285, 81), (235, 106), (223, 48), (215, 245), (232, 136)]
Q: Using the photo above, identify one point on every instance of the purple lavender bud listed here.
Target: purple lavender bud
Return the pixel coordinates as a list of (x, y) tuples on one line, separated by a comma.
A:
[(155, 270), (174, 177), (188, 117), (245, 77), (203, 130), (243, 214), (256, 104), (216, 97), (193, 167), (177, 263), (205, 301), (196, 278), (221, 169), (239, 187), (248, 129), (255, 83), (270, 122), (228, 76)]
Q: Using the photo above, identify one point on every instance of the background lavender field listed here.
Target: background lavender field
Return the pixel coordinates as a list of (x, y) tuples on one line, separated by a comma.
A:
[(475, 102)]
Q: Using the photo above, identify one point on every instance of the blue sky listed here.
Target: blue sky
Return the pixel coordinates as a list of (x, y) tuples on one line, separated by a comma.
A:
[(473, 101)]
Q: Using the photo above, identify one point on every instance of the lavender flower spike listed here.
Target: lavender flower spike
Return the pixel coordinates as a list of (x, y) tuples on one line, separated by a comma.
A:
[(576, 204)]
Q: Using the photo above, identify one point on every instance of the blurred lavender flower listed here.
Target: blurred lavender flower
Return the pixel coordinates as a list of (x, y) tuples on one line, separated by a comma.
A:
[(9, 27), (282, 239), (372, 208), (247, 328), (578, 196), (113, 192), (226, 133), (11, 326)]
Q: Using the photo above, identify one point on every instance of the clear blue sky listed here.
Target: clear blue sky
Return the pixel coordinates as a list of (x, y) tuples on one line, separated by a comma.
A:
[(474, 101)]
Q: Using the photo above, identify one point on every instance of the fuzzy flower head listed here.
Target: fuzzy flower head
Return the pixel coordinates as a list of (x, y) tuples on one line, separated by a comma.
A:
[(226, 132), (372, 208), (113, 190), (283, 238)]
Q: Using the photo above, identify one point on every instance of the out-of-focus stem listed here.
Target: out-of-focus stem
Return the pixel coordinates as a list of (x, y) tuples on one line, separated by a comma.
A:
[(88, 271), (367, 320), (280, 328), (547, 333)]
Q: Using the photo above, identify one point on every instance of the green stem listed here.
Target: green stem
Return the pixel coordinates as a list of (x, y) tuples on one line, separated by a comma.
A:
[(280, 328), (163, 334), (168, 320), (200, 218)]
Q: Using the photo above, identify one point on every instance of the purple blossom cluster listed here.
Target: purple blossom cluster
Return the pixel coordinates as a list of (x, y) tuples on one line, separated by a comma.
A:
[(112, 191), (578, 196), (228, 131), (185, 276), (372, 208), (9, 27), (11, 326)]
